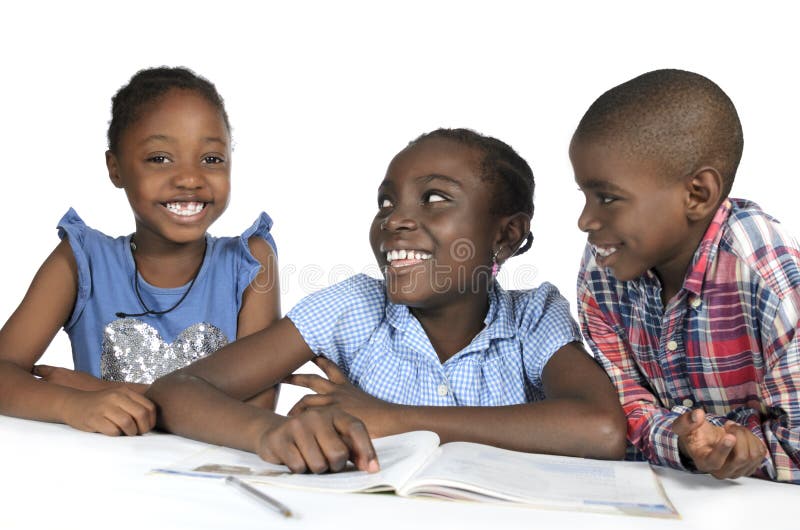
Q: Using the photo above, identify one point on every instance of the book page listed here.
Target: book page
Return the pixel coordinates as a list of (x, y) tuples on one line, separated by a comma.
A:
[(477, 472), (399, 456)]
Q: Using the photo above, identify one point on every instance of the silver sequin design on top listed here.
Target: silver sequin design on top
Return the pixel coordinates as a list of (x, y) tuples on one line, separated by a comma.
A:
[(133, 351)]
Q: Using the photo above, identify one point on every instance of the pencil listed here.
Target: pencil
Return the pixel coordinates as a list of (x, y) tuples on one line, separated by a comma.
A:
[(247, 488)]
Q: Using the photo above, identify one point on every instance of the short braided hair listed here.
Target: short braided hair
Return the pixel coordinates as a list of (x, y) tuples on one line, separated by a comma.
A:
[(146, 87), (509, 173)]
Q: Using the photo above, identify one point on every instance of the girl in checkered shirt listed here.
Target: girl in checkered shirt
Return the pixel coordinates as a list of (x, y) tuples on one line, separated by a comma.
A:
[(436, 344)]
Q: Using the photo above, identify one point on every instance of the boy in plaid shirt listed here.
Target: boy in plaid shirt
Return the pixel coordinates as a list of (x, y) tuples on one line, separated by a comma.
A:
[(689, 299)]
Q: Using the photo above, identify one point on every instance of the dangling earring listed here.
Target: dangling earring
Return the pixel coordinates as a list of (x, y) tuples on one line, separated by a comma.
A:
[(495, 265)]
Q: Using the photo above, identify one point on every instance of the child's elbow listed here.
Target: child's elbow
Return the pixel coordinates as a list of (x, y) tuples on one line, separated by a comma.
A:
[(610, 436)]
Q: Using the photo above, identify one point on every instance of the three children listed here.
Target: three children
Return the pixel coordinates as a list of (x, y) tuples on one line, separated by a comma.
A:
[(690, 300)]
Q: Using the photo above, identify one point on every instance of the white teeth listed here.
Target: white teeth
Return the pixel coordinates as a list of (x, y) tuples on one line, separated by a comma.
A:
[(185, 208), (604, 252), (392, 255)]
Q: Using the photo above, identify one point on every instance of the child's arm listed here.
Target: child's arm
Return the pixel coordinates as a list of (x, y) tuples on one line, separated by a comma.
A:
[(261, 307), (673, 438), (580, 417), (261, 303), (23, 339), (203, 401), (80, 380), (777, 423), (649, 423)]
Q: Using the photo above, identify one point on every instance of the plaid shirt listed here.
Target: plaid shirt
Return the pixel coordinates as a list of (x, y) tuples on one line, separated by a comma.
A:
[(727, 342), (385, 352)]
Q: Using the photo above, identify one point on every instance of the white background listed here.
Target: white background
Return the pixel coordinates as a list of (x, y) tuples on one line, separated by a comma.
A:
[(321, 95)]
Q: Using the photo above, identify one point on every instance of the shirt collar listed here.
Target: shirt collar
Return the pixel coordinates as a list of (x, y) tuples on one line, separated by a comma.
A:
[(703, 257), (707, 250), (498, 323)]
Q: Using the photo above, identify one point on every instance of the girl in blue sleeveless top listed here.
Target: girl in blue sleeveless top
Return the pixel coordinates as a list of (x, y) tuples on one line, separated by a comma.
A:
[(436, 344), (139, 306)]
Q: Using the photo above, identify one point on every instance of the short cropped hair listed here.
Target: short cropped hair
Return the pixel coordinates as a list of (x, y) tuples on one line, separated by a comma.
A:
[(503, 168), (676, 119)]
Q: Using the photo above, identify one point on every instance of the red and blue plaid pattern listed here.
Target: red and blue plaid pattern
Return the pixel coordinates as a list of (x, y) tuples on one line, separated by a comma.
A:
[(727, 342)]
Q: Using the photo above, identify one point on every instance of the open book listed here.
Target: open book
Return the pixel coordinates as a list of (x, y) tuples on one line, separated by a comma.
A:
[(413, 464)]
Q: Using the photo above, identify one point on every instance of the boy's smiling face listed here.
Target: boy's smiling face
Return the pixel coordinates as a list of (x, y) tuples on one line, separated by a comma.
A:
[(635, 217)]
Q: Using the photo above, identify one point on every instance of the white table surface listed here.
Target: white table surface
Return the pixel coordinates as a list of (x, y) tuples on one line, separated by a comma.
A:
[(57, 477)]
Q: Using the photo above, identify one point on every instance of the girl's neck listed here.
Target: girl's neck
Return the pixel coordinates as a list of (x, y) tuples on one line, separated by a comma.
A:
[(452, 326), (164, 263)]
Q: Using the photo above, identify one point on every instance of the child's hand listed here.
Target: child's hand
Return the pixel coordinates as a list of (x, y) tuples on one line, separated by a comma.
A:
[(339, 392), (112, 412), (69, 378), (321, 439), (731, 451), (749, 452)]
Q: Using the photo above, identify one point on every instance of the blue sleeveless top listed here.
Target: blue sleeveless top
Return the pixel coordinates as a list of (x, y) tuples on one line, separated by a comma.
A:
[(141, 349)]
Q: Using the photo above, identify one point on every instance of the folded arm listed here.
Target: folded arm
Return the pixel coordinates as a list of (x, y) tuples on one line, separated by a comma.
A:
[(204, 401), (580, 417), (61, 395), (743, 443)]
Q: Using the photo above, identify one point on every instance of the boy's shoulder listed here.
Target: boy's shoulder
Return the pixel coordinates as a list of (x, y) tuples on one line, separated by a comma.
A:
[(761, 246), (749, 228)]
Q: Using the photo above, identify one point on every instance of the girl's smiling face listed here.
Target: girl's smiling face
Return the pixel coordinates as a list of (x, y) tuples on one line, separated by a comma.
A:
[(433, 233), (174, 164)]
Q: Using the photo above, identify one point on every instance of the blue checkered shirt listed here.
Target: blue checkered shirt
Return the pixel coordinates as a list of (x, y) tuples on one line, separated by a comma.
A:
[(385, 352)]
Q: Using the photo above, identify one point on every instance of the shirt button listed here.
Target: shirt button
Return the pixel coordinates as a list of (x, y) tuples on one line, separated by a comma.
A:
[(442, 390), (688, 402), (672, 345), (696, 303)]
